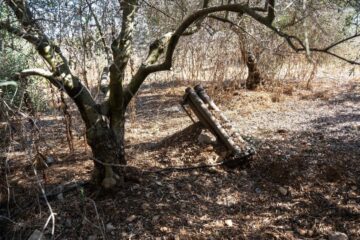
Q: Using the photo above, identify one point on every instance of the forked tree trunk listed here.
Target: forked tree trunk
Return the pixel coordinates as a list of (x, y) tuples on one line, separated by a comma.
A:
[(109, 155)]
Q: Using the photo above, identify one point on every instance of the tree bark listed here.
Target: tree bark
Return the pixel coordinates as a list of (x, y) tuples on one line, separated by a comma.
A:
[(254, 78), (109, 155)]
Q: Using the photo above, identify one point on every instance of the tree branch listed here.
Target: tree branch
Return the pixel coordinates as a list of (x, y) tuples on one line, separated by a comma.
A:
[(159, 10), (293, 40), (37, 72), (122, 48), (41, 73), (18, 32), (60, 71), (98, 26), (104, 78), (148, 67), (271, 11)]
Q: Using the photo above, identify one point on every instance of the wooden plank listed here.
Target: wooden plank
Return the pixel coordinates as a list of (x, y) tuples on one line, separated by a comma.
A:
[(206, 99), (205, 116), (213, 119)]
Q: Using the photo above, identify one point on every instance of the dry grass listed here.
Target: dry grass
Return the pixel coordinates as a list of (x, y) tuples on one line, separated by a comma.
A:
[(322, 95), (195, 204)]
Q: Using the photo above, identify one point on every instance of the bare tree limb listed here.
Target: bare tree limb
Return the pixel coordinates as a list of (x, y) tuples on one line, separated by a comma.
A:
[(18, 32), (32, 32), (225, 20), (145, 69), (148, 67), (159, 10), (41, 73), (293, 41), (104, 78), (37, 72), (271, 10), (98, 26)]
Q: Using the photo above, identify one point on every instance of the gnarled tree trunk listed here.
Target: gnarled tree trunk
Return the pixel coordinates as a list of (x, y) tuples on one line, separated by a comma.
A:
[(109, 155), (254, 78)]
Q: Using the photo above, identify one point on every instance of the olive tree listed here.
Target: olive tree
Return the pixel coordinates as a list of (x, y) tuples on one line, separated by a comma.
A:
[(105, 121)]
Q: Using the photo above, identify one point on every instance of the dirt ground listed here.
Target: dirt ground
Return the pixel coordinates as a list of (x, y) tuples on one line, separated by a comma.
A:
[(303, 182)]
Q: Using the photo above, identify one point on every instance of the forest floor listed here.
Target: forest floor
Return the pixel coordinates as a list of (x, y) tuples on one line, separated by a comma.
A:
[(303, 182)]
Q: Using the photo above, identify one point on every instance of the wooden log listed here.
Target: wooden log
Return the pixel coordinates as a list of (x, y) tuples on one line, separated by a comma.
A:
[(206, 99), (204, 115), (201, 118)]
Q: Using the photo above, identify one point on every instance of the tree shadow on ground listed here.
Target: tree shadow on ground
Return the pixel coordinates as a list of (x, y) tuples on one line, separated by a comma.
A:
[(305, 185), (223, 203)]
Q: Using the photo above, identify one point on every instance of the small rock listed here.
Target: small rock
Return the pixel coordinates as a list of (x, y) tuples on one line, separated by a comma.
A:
[(228, 222), (218, 223), (244, 173), (206, 137), (110, 227), (171, 187), (37, 235), (131, 218), (158, 183), (209, 148), (164, 229), (68, 223), (212, 170), (50, 160), (173, 109), (60, 197), (283, 191), (195, 172), (145, 206), (155, 218), (355, 127), (338, 236), (92, 237), (352, 194), (301, 231)]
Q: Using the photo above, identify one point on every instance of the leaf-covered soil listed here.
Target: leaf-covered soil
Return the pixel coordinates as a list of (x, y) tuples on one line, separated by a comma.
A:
[(303, 182)]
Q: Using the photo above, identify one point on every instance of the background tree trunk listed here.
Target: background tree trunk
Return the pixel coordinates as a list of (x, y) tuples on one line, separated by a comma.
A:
[(254, 78)]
